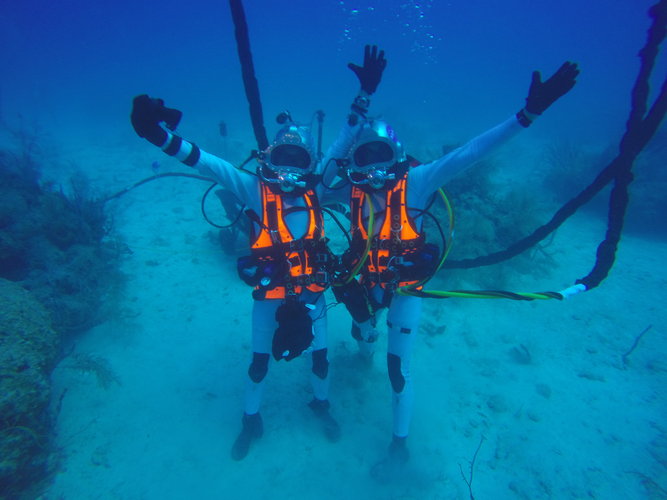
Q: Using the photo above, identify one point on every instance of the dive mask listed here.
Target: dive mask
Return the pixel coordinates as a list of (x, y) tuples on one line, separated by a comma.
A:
[(376, 151), (289, 159)]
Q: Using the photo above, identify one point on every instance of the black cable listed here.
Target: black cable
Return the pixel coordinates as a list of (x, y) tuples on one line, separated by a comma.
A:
[(323, 209), (203, 210), (639, 132), (640, 128), (253, 154), (191, 176), (420, 211), (341, 184), (331, 214), (152, 178), (248, 73), (439, 226)]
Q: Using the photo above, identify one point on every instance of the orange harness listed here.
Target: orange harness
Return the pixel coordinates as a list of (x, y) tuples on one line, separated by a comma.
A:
[(398, 240), (303, 262)]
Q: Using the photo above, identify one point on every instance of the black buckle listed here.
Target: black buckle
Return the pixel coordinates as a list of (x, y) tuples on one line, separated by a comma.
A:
[(274, 234), (296, 244), (384, 244)]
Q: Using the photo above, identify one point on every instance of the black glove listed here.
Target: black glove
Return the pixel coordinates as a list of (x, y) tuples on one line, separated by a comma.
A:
[(541, 94), (370, 73), (295, 330), (148, 113)]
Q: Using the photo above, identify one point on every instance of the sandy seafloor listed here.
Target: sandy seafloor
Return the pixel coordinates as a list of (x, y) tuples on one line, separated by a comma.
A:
[(543, 383)]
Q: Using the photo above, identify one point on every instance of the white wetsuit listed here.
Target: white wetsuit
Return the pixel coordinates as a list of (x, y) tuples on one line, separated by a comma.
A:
[(404, 312), (247, 188)]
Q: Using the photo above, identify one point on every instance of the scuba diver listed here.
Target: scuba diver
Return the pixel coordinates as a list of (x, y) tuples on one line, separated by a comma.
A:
[(289, 266), (387, 186)]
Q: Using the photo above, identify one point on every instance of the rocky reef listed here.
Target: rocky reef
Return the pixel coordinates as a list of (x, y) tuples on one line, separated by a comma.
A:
[(56, 243), (29, 349), (59, 271)]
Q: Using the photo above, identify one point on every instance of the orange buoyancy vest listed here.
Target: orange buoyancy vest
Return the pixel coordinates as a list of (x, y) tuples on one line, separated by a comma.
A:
[(397, 242), (301, 263)]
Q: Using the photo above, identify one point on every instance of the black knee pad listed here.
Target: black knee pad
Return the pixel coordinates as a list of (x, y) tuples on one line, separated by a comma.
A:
[(259, 367), (320, 363), (356, 332), (395, 375)]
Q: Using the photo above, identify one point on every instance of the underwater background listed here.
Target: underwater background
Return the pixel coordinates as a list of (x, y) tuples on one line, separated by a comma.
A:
[(143, 373)]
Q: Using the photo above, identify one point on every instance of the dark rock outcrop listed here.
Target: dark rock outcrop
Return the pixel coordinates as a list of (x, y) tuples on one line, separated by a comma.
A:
[(28, 351)]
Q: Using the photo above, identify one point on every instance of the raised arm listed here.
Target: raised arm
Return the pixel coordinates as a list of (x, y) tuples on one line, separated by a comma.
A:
[(153, 121), (369, 76), (541, 95)]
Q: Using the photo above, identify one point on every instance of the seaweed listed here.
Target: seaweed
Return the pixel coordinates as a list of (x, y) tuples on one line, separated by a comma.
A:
[(567, 165), (20, 168), (97, 365), (471, 469), (490, 216), (626, 354), (56, 241), (29, 349)]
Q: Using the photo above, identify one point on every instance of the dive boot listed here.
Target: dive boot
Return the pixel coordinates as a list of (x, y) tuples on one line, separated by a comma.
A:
[(394, 462), (253, 428), (331, 428)]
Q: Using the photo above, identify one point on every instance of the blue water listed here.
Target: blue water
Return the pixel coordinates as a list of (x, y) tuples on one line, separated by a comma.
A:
[(455, 68)]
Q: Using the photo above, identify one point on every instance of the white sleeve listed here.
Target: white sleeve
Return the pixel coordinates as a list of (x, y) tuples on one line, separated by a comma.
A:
[(338, 150), (240, 182), (427, 178)]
